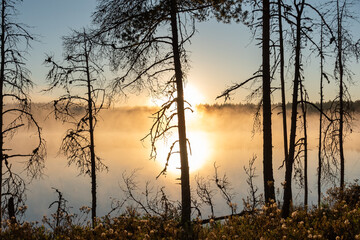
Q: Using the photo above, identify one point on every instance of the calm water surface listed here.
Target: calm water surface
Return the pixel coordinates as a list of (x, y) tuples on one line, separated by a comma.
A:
[(223, 136)]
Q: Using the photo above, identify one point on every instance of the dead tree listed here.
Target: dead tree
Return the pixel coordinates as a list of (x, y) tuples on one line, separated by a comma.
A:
[(282, 76), (149, 201), (81, 73), (129, 32), (61, 219), (322, 76), (345, 48), (224, 185), (15, 107), (299, 9), (303, 97), (269, 186), (340, 66), (253, 199), (205, 193), (326, 32), (11, 210), (265, 74)]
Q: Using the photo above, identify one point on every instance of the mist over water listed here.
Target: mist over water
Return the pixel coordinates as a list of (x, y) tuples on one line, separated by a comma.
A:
[(217, 134)]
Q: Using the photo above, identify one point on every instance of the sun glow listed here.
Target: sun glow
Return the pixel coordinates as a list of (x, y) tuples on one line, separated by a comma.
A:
[(191, 95), (198, 147), (198, 153)]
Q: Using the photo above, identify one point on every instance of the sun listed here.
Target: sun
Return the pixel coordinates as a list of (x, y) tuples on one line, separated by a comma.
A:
[(191, 95)]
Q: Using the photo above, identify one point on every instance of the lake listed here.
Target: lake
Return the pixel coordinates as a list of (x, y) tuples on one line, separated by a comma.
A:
[(217, 134)]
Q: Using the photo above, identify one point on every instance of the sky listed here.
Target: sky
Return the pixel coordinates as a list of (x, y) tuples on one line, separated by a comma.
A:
[(220, 54)]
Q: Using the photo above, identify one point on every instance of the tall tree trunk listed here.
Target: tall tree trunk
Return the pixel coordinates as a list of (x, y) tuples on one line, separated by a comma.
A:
[(341, 97), (269, 188), (2, 79), (282, 80), (303, 109), (185, 182), (91, 132), (321, 111), (290, 161)]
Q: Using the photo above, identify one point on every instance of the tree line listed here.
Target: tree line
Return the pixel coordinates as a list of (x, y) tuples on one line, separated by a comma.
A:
[(144, 43)]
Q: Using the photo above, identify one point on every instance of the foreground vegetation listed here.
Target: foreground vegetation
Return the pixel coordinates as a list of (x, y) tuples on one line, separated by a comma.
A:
[(338, 218)]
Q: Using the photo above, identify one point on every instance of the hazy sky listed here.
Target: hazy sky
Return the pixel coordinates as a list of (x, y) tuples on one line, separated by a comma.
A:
[(220, 54)]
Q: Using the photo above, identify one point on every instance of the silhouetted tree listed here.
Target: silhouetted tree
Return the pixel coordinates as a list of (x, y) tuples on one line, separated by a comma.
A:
[(224, 185), (205, 193), (145, 40), (302, 26), (340, 71), (303, 96), (61, 216), (345, 48), (282, 75), (15, 106), (149, 201), (326, 36), (81, 77), (265, 74), (322, 76), (269, 187), (253, 200), (299, 9)]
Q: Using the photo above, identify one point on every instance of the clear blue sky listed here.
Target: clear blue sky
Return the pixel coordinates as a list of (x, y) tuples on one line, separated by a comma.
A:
[(220, 54)]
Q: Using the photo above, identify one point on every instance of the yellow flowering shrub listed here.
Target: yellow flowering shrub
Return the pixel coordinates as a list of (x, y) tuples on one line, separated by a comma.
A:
[(337, 219)]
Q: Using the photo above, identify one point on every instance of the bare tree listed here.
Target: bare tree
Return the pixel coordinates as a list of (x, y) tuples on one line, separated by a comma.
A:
[(269, 186), (61, 219), (205, 193), (304, 97), (253, 199), (322, 76), (340, 66), (224, 185), (146, 42), (150, 201), (81, 74), (326, 32), (15, 106), (299, 8), (345, 48), (282, 76), (265, 74)]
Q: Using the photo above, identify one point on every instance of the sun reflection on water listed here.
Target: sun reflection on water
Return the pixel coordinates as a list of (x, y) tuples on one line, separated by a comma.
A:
[(198, 152), (199, 145)]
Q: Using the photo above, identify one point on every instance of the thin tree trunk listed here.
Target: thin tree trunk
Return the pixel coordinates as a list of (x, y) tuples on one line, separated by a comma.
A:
[(92, 142), (267, 135), (185, 182), (303, 108), (341, 98), (321, 110), (290, 160), (2, 79), (282, 80), (11, 210)]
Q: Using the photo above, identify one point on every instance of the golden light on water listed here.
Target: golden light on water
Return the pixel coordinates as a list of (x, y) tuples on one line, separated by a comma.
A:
[(199, 154), (198, 148)]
